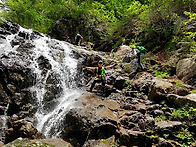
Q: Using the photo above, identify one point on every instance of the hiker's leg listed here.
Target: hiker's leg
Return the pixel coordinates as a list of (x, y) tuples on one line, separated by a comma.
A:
[(103, 85), (140, 61), (93, 84), (79, 41)]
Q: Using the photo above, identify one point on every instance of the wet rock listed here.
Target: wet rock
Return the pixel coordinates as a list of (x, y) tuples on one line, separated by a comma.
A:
[(13, 28), (4, 100), (101, 142), (95, 143), (51, 142), (44, 63), (52, 92), (90, 120), (24, 129), (57, 142), (133, 138)]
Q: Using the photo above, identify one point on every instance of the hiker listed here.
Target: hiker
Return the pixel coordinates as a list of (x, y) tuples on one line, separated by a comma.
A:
[(139, 52), (78, 39), (68, 39), (100, 75)]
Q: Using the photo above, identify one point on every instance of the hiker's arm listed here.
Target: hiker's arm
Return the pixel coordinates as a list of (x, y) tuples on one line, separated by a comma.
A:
[(111, 66), (90, 68)]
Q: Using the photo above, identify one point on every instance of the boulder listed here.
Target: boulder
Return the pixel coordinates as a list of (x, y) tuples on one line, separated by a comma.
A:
[(167, 127), (101, 142), (57, 142), (90, 120), (133, 138), (186, 69), (24, 129), (50, 142), (182, 101), (1, 144), (157, 89)]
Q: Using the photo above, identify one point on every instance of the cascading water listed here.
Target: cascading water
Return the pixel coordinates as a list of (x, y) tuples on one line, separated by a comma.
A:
[(55, 83), (3, 121)]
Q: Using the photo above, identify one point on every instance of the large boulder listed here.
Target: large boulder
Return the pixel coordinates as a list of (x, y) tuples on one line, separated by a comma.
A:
[(24, 129), (50, 142), (90, 120), (133, 138), (186, 70), (182, 101), (15, 79), (157, 88), (167, 127)]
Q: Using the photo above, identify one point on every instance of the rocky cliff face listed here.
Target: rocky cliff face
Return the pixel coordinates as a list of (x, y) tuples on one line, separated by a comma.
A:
[(43, 87)]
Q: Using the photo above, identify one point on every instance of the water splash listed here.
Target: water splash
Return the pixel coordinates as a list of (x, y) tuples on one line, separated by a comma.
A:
[(3, 119)]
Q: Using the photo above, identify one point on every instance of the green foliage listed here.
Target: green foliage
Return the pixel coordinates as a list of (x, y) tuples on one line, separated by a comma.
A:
[(179, 83), (127, 69), (153, 136), (194, 91), (127, 85), (117, 59), (161, 74), (184, 114), (154, 23), (106, 56), (162, 117), (165, 136), (185, 137)]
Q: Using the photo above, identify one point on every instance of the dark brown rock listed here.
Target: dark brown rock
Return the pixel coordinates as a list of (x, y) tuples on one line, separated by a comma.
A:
[(90, 120), (133, 138), (24, 129)]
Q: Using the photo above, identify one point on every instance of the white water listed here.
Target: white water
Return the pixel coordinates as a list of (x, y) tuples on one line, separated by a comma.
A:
[(3, 121), (65, 69)]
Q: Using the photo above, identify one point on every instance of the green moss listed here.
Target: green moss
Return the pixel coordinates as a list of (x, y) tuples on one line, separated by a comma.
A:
[(161, 74), (179, 83), (127, 69), (28, 143), (194, 91)]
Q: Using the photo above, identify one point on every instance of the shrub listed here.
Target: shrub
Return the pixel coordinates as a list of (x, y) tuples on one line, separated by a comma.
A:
[(161, 74)]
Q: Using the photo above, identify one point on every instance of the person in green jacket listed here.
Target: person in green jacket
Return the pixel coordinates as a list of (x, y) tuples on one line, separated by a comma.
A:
[(100, 75), (139, 52)]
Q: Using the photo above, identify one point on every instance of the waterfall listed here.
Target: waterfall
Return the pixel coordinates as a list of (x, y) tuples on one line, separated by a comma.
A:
[(3, 124), (55, 87)]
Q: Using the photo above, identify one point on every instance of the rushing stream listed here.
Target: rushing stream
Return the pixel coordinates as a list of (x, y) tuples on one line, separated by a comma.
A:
[(55, 83)]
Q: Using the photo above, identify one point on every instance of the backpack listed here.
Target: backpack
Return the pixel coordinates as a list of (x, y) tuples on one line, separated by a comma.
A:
[(102, 73), (141, 49)]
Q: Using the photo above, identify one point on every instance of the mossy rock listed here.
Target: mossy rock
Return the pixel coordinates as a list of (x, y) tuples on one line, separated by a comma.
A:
[(27, 143)]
